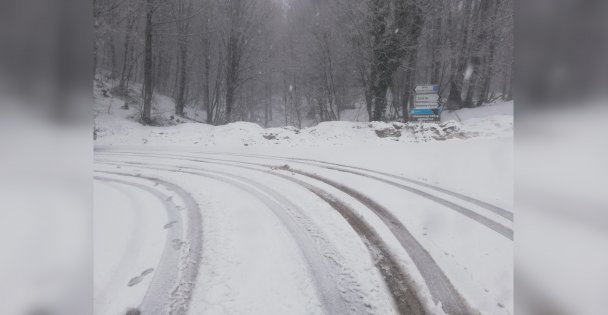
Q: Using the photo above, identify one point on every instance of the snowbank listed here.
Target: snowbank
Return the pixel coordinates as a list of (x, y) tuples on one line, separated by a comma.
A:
[(334, 133), (117, 124)]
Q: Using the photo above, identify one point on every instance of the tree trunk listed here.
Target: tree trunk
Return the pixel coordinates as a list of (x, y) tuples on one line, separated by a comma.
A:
[(509, 84), (487, 76), (436, 44), (285, 98), (455, 98), (146, 113), (96, 25), (229, 99), (379, 101), (474, 79), (231, 73), (268, 101), (457, 69), (206, 79), (122, 86), (409, 83), (270, 97), (180, 100)]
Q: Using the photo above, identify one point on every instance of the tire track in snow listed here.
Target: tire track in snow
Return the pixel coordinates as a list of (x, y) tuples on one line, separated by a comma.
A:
[(493, 208), (477, 217), (493, 225), (403, 291), (440, 286), (486, 205), (400, 285), (325, 275), (171, 288)]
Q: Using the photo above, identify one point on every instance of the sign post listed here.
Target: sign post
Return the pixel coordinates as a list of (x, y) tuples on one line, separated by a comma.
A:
[(426, 104)]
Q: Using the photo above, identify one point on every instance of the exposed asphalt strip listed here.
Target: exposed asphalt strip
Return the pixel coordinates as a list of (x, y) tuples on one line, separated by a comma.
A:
[(326, 276), (438, 283), (171, 288), (489, 223), (397, 280), (493, 208), (497, 210), (497, 227), (440, 286)]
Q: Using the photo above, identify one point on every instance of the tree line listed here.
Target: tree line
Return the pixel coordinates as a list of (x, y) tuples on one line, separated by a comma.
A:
[(251, 60)]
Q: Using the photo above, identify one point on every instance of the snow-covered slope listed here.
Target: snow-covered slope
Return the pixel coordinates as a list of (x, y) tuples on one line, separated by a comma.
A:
[(115, 124)]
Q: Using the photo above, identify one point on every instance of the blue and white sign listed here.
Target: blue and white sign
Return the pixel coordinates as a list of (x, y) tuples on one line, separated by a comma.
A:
[(426, 106), (426, 98), (423, 111), (427, 89)]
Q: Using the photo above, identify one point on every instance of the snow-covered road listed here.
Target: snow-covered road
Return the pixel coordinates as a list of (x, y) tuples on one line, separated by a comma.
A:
[(259, 234), (139, 231)]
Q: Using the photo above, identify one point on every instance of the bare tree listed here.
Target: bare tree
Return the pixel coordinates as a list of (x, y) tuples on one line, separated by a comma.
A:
[(240, 59), (181, 11), (148, 89)]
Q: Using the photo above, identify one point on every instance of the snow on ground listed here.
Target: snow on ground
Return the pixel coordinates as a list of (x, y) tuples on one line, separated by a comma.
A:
[(493, 109), (118, 129), (133, 245), (476, 259), (477, 264), (493, 118), (247, 243), (245, 246), (116, 125), (478, 146)]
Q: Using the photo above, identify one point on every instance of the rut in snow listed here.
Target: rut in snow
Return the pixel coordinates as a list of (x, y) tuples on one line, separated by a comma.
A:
[(177, 270)]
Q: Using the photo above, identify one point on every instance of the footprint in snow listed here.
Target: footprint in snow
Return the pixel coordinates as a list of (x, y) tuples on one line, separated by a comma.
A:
[(177, 244), (169, 225), (140, 278), (135, 280), (133, 311)]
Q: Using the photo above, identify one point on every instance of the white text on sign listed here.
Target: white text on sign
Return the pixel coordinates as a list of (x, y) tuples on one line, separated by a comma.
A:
[(429, 98), (430, 88)]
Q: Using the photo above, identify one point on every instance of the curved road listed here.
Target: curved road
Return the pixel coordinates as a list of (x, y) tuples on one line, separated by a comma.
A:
[(177, 269), (419, 287)]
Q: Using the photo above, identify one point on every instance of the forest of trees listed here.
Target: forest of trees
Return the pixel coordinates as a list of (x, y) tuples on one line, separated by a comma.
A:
[(247, 60)]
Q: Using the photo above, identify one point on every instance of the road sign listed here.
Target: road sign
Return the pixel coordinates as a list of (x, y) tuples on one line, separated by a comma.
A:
[(426, 105), (424, 114), (429, 88), (423, 118), (427, 98), (423, 111)]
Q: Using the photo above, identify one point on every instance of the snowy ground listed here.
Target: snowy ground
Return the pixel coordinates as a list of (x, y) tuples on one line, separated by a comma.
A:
[(116, 125), (338, 218)]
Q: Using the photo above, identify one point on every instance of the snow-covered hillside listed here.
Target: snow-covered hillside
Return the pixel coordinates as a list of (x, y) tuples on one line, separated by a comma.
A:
[(115, 124)]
